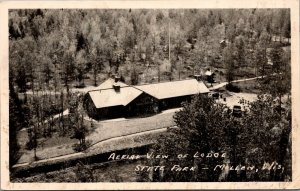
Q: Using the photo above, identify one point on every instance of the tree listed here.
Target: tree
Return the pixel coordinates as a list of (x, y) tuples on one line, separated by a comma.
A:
[(276, 56), (201, 127), (280, 23), (157, 62), (15, 124), (96, 64), (83, 173), (56, 76), (287, 27), (80, 67), (48, 71), (256, 138), (260, 54), (80, 131), (61, 117), (21, 75), (23, 55), (279, 83), (95, 45), (231, 32), (229, 61), (77, 122), (259, 59), (134, 77), (240, 27), (33, 129), (240, 47), (263, 127), (68, 69), (177, 40)]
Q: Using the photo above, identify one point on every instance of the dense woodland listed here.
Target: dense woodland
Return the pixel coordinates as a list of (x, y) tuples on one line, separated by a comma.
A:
[(54, 51), (51, 48)]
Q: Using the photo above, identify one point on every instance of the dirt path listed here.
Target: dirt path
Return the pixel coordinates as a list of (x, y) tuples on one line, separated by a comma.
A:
[(66, 112), (239, 80), (225, 83)]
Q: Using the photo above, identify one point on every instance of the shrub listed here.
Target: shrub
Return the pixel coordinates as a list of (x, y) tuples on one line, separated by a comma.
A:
[(81, 85), (81, 147), (83, 173), (232, 88)]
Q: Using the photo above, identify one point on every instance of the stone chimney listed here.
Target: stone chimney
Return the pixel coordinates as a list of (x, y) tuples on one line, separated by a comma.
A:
[(117, 78), (117, 86), (197, 77)]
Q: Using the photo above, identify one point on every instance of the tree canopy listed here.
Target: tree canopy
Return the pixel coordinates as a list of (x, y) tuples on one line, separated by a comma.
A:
[(259, 137), (81, 42)]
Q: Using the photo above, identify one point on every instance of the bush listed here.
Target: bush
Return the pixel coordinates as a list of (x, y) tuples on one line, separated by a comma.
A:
[(81, 85), (232, 88), (83, 173), (81, 147)]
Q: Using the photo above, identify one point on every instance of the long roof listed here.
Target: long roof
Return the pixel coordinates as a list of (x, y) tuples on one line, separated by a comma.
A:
[(174, 88), (110, 97)]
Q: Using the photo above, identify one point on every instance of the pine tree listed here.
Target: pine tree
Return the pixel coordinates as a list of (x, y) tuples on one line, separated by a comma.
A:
[(15, 124)]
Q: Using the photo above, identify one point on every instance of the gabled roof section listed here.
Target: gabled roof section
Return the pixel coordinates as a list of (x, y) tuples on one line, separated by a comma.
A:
[(174, 89), (110, 97), (109, 84)]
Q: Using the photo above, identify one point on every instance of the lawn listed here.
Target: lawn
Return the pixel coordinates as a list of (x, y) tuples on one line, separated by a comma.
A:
[(106, 130), (59, 146)]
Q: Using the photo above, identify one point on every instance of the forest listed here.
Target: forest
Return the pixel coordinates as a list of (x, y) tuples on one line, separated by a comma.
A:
[(54, 52), (53, 48)]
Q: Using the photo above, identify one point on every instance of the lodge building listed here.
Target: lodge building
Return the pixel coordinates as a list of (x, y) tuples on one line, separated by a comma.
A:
[(114, 99)]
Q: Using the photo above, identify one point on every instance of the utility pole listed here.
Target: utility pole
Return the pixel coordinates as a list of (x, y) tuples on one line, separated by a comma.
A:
[(180, 68), (169, 44), (170, 52)]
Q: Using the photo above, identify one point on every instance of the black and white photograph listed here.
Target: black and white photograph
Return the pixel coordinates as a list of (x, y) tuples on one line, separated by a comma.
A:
[(150, 95)]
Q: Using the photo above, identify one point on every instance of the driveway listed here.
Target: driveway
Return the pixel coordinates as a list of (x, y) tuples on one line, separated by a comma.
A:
[(234, 99)]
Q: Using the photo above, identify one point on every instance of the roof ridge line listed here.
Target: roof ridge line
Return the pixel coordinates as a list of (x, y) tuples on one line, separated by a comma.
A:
[(108, 88), (136, 86), (166, 82)]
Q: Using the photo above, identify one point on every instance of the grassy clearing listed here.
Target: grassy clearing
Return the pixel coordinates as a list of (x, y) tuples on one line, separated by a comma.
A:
[(125, 142), (59, 146), (56, 145), (106, 130)]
